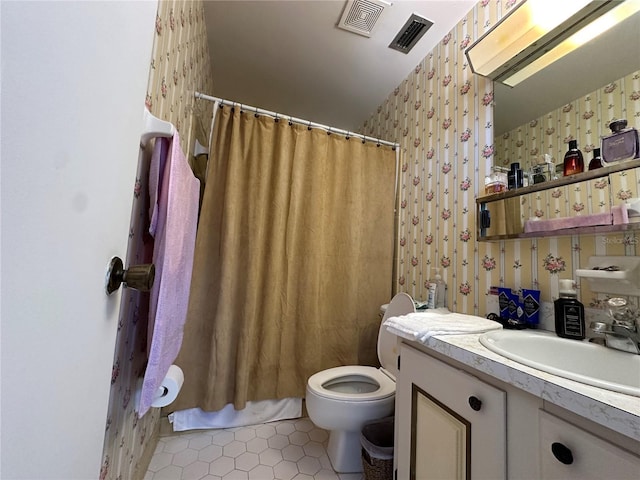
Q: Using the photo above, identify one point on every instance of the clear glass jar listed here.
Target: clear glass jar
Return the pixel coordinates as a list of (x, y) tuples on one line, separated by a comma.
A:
[(621, 312), (496, 181)]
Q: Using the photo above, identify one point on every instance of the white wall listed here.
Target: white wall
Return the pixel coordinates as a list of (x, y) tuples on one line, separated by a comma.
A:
[(74, 76)]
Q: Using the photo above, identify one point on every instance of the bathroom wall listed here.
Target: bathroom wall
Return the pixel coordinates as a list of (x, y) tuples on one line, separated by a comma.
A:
[(442, 114), (180, 65)]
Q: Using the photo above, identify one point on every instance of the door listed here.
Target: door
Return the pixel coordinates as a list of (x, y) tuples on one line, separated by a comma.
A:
[(74, 76)]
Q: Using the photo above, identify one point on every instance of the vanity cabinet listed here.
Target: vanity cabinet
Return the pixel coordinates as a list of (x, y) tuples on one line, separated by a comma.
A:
[(568, 452), (453, 421), (449, 424)]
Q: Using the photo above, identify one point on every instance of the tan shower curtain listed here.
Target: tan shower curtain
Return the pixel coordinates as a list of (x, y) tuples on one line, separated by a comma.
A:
[(293, 259)]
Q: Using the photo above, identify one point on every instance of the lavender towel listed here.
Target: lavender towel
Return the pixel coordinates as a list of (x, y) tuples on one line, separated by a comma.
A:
[(620, 214), (568, 222), (421, 326), (174, 194)]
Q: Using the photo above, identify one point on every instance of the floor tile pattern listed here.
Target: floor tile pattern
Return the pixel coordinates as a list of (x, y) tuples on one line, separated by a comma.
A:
[(284, 450)]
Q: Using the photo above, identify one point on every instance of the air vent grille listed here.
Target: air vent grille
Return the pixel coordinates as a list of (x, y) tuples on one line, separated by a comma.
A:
[(360, 16), (410, 33)]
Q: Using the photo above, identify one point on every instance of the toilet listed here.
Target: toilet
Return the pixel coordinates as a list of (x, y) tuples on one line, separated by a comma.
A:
[(342, 399)]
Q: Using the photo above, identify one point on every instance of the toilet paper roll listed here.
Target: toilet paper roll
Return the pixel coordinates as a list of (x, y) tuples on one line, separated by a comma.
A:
[(170, 387)]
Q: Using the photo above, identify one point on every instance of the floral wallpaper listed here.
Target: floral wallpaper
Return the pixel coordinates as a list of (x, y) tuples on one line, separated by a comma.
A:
[(179, 66), (441, 115)]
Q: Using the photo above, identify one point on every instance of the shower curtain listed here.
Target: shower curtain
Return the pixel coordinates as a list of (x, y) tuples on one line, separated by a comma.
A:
[(293, 258)]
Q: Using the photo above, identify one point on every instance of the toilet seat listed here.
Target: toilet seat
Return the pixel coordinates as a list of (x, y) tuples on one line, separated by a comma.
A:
[(386, 386)]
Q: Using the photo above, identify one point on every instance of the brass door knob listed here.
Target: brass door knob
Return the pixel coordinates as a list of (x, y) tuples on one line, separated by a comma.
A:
[(138, 277)]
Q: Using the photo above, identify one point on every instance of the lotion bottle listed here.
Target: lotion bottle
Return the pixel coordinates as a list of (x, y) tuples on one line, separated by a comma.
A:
[(441, 290), (569, 312)]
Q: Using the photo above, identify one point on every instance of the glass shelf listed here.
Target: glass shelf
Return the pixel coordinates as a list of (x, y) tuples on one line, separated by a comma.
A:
[(511, 197)]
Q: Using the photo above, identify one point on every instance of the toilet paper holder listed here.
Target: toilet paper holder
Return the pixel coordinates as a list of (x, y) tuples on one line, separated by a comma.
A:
[(138, 277)]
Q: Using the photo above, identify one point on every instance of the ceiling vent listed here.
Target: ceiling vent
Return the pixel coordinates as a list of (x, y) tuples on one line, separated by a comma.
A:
[(360, 16), (410, 33)]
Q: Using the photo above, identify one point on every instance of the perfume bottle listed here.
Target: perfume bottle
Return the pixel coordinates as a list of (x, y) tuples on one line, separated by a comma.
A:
[(515, 177), (573, 160), (622, 144), (596, 161)]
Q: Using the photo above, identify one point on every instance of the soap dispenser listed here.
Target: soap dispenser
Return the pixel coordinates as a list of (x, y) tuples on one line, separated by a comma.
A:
[(569, 312)]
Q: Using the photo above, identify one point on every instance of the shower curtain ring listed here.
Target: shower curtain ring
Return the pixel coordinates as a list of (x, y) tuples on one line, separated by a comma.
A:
[(364, 139), (277, 119), (290, 121), (329, 131), (256, 114), (348, 135), (309, 127)]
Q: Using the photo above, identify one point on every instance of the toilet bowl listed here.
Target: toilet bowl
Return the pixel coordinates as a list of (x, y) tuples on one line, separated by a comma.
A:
[(342, 399)]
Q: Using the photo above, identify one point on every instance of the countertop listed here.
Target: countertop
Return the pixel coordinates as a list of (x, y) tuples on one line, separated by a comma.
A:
[(616, 411)]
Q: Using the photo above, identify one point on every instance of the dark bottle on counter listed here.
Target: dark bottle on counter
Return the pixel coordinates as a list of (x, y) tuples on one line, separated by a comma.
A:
[(596, 161), (569, 312), (573, 160)]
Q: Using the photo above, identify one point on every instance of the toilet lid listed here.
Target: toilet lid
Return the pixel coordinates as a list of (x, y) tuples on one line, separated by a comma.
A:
[(401, 304), (316, 382)]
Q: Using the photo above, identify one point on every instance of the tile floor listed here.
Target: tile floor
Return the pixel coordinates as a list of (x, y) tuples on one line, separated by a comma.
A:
[(284, 450)]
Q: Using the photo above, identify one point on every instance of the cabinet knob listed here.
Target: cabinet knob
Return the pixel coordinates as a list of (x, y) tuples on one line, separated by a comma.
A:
[(562, 453), (475, 403)]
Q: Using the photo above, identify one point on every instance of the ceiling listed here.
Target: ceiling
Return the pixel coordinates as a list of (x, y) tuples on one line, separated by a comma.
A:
[(289, 56)]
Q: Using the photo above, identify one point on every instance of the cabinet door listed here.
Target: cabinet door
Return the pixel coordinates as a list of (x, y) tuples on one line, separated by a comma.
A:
[(567, 452), (449, 424)]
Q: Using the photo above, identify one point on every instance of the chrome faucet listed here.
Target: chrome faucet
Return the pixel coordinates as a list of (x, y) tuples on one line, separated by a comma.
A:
[(618, 336), (623, 333)]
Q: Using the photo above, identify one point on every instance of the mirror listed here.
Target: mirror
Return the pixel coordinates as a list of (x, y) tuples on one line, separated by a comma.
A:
[(609, 57)]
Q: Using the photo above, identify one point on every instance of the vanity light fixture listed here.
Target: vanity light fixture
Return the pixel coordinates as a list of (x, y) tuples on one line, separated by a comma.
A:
[(538, 32)]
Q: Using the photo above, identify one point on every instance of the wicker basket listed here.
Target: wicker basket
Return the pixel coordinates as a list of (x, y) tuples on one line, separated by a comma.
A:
[(377, 449), (376, 468)]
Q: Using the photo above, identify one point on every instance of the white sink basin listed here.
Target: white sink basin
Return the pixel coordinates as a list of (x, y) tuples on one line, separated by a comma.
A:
[(576, 360)]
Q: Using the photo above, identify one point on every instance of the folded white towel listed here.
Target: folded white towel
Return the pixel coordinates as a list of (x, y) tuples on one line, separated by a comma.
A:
[(421, 326)]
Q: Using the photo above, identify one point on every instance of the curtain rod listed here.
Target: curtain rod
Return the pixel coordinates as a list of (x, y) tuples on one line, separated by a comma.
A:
[(296, 120)]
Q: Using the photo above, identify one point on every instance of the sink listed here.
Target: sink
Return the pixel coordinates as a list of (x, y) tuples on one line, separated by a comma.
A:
[(576, 360)]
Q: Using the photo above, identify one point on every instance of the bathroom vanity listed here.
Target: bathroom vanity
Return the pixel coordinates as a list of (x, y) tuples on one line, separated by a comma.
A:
[(493, 418)]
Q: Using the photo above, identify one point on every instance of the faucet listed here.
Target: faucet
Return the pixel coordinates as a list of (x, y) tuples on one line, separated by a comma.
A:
[(623, 333), (620, 336)]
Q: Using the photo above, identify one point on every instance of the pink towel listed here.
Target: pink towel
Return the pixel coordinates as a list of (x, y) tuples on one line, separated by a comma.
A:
[(568, 222), (174, 194), (620, 214)]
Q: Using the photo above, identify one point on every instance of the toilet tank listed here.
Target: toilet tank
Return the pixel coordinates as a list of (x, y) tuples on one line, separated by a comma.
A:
[(388, 344)]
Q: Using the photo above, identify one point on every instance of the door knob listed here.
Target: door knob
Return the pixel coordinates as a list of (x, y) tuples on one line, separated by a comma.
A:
[(138, 277)]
